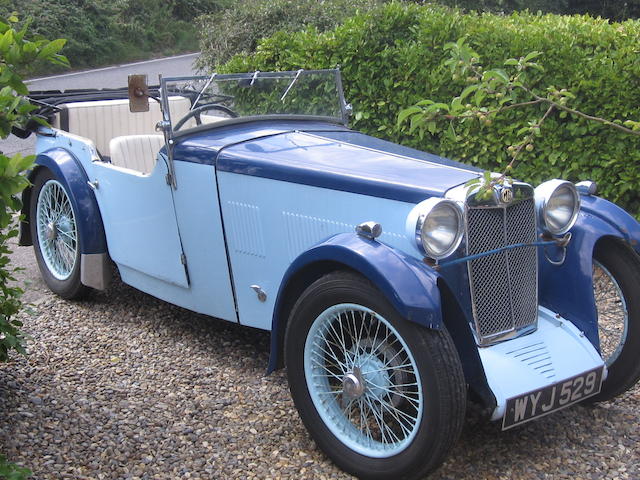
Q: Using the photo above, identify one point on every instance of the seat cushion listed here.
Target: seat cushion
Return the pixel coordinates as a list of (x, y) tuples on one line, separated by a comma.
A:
[(102, 120), (136, 152)]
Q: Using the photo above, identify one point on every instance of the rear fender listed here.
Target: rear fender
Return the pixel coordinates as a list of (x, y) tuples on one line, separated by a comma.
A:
[(70, 173), (95, 268)]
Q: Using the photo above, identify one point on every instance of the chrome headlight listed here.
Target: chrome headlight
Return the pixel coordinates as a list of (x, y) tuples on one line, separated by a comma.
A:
[(557, 204), (437, 226)]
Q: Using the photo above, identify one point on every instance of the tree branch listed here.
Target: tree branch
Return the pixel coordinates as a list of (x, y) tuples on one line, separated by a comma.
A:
[(603, 121)]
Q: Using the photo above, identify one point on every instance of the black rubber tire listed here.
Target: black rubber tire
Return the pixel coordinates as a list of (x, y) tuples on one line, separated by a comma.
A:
[(438, 364), (624, 265), (71, 287)]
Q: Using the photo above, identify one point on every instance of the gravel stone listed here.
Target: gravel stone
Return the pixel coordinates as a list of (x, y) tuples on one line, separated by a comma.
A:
[(124, 386)]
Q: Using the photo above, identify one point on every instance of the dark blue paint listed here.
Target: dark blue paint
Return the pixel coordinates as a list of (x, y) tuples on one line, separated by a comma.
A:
[(203, 147), (362, 140), (615, 216), (567, 289), (321, 162), (332, 157), (409, 285), (68, 171)]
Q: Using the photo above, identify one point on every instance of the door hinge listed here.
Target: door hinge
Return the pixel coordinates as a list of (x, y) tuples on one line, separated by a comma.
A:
[(169, 179), (183, 259)]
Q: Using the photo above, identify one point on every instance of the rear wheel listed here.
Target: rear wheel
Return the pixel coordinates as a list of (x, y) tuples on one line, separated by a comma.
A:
[(56, 240), (616, 286), (383, 397)]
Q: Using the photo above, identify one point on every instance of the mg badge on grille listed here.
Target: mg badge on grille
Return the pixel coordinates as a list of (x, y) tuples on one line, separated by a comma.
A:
[(506, 195)]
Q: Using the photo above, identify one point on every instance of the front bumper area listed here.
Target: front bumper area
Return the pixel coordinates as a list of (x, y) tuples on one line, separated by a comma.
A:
[(555, 352)]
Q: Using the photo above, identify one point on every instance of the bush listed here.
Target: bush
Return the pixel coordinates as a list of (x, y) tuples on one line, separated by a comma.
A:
[(239, 28), (18, 50), (613, 9), (114, 31), (392, 57), (509, 6)]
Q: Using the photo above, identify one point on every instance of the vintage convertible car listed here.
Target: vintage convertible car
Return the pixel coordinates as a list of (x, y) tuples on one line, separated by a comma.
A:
[(392, 289)]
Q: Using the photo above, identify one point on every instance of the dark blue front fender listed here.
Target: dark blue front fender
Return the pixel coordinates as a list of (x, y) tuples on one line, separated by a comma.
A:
[(408, 284), (568, 289), (69, 172)]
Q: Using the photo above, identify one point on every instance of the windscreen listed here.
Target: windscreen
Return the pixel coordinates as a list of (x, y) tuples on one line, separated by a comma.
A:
[(202, 100)]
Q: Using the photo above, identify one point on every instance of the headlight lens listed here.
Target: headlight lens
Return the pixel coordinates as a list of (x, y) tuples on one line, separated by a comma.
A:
[(558, 204), (439, 227)]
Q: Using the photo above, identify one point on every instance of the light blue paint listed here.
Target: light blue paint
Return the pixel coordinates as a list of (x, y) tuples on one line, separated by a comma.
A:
[(291, 219), (209, 291), (566, 352), (141, 228), (196, 203)]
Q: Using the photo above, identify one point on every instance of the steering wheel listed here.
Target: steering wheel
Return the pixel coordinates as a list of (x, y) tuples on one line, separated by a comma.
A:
[(203, 108)]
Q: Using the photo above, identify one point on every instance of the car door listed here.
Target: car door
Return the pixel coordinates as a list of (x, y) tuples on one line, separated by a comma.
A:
[(140, 221)]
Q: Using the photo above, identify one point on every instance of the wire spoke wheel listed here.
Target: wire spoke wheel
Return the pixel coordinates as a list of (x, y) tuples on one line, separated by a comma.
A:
[(381, 396), (613, 315), (56, 229), (616, 291), (55, 235), (363, 380)]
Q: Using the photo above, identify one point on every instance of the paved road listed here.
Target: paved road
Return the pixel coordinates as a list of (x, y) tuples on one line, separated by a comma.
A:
[(109, 77)]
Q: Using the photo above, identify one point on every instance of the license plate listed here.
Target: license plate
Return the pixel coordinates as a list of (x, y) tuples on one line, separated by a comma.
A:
[(549, 399)]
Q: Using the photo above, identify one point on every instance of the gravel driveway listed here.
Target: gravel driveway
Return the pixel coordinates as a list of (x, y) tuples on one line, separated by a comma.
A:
[(123, 386)]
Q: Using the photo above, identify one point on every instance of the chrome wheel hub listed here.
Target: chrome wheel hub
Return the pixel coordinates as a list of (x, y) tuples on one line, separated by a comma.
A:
[(51, 231), (353, 384)]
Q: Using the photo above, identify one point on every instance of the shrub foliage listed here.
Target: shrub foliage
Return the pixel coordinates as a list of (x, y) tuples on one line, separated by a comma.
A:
[(612, 9), (113, 31), (393, 57), (239, 28), (18, 50)]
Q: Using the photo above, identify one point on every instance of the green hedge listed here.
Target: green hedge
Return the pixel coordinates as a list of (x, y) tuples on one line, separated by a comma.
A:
[(392, 57), (612, 9), (239, 28)]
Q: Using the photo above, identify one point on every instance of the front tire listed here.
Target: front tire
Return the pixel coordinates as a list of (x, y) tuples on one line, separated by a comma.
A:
[(382, 397), (616, 285), (56, 240)]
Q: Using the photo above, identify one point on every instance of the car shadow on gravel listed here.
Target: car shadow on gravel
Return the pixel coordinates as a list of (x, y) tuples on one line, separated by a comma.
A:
[(198, 329)]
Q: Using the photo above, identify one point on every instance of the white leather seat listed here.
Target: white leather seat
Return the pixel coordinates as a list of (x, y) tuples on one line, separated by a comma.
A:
[(102, 120), (136, 152)]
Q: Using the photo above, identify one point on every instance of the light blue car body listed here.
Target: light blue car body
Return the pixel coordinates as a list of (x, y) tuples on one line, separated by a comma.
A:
[(268, 206)]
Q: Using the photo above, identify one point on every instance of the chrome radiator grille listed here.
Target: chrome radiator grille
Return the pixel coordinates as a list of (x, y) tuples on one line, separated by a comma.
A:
[(504, 286)]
